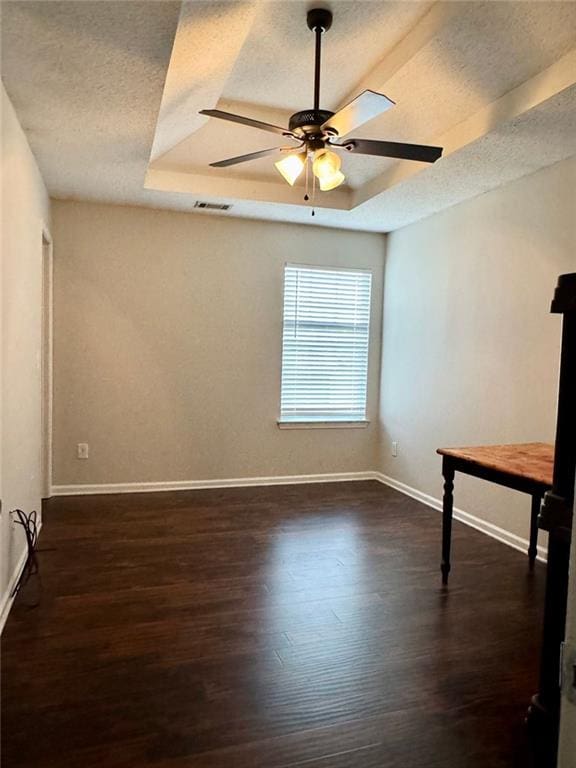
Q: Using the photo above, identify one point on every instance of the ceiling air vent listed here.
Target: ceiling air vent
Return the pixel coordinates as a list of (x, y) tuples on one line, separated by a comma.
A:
[(212, 206)]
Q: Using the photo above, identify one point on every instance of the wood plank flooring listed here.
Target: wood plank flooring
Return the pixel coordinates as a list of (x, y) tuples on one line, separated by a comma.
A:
[(267, 628)]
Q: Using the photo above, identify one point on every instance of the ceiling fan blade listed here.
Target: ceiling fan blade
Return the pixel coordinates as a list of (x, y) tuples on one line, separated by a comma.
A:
[(245, 121), (245, 158), (403, 151), (364, 107)]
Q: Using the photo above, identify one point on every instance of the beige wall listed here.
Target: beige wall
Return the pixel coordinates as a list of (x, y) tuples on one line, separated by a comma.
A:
[(25, 211), (470, 351), (168, 346)]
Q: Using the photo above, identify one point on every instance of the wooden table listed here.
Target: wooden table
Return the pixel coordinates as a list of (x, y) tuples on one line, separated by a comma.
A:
[(525, 467)]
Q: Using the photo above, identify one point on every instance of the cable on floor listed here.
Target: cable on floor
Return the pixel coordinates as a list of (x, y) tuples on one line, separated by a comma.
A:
[(29, 523)]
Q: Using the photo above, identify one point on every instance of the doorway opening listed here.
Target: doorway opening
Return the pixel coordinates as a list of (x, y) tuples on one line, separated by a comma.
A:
[(46, 364)]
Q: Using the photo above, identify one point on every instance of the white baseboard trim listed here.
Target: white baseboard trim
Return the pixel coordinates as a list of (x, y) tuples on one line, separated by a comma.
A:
[(189, 485), (494, 531), (7, 600)]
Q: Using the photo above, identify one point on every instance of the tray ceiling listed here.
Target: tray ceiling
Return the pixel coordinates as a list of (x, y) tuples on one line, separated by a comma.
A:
[(109, 94)]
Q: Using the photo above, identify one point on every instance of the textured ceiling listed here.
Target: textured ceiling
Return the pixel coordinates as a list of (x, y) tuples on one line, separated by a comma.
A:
[(276, 65), (103, 87), (86, 80)]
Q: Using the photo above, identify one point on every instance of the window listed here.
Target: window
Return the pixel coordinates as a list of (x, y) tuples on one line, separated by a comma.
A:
[(325, 344)]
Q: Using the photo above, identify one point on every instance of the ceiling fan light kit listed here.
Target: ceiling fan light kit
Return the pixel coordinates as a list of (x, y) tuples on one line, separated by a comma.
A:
[(291, 166), (326, 168), (320, 131)]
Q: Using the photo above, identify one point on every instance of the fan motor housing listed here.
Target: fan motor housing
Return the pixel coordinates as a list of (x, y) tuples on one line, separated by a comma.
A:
[(308, 122)]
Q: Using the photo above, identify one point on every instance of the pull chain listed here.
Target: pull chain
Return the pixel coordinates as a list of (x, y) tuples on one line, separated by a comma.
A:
[(313, 193), (307, 187)]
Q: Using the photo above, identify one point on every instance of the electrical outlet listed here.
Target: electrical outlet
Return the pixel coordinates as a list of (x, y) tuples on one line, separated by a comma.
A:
[(82, 451), (394, 448)]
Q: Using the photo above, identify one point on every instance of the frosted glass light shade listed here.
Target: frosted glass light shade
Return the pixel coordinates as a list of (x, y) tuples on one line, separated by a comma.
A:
[(291, 166), (331, 182), (325, 164)]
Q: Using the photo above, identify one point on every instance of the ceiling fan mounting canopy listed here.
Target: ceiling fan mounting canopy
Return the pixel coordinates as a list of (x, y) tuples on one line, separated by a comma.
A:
[(319, 130), (319, 18)]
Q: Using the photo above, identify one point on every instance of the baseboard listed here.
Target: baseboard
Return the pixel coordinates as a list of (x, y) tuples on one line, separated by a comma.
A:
[(7, 600), (189, 485), (494, 531)]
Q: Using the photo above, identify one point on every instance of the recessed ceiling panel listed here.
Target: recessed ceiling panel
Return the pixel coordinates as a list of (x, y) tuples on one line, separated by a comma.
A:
[(276, 65), (88, 78), (477, 56)]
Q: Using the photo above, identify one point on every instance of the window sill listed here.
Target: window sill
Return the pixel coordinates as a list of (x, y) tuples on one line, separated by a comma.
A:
[(322, 424)]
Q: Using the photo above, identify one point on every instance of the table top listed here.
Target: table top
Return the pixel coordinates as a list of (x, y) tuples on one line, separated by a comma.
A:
[(534, 461)]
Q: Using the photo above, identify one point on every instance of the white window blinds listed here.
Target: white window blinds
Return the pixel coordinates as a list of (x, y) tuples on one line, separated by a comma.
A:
[(325, 344)]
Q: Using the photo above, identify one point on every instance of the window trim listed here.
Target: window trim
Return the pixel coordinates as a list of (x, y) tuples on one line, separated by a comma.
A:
[(335, 423), (323, 424)]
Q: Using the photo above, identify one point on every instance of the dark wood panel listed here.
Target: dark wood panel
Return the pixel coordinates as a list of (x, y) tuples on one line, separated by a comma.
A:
[(267, 628)]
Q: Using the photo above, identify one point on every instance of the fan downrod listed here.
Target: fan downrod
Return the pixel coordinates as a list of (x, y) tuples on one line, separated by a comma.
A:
[(307, 124)]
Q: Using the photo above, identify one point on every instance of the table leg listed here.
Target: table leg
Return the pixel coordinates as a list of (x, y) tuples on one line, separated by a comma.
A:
[(535, 511), (447, 504)]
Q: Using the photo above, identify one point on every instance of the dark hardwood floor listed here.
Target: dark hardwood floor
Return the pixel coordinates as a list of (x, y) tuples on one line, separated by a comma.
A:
[(268, 627)]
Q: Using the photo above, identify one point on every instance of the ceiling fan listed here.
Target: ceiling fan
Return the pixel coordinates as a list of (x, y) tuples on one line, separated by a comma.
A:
[(319, 130)]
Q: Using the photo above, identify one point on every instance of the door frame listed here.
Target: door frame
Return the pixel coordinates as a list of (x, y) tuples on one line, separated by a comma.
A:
[(46, 360)]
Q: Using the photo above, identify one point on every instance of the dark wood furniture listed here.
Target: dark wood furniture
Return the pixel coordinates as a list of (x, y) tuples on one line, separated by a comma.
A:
[(525, 467), (556, 517)]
